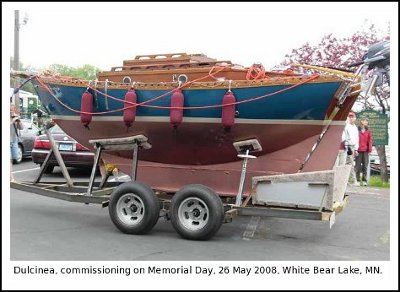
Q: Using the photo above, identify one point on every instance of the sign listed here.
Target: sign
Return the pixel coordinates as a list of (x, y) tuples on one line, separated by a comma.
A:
[(65, 147), (378, 125)]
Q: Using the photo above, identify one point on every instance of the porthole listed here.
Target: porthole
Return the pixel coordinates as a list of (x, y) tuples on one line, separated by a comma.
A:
[(127, 79), (182, 78)]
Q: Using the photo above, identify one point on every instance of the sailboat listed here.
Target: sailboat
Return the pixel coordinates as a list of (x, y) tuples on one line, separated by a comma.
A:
[(199, 113)]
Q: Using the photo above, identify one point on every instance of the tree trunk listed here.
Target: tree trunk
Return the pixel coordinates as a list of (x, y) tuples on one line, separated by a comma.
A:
[(383, 163)]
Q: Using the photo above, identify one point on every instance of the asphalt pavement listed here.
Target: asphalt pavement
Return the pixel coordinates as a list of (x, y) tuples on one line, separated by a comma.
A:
[(45, 228)]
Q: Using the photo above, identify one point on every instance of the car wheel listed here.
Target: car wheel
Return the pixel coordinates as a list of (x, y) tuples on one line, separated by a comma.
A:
[(19, 151)]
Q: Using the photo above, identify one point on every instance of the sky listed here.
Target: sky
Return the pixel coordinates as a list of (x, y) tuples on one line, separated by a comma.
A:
[(105, 34)]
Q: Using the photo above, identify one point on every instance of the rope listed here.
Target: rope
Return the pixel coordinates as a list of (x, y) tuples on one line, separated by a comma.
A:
[(145, 103), (329, 121), (68, 107), (256, 71), (20, 86), (210, 74), (180, 86), (312, 77)]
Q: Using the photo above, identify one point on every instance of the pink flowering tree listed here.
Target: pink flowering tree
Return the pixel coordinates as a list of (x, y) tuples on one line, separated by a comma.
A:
[(336, 52), (339, 53)]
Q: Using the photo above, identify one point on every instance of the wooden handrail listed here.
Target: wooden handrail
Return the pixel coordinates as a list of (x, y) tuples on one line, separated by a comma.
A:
[(161, 66), (139, 57)]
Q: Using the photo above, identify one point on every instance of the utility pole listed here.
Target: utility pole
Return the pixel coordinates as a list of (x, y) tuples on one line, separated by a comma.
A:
[(16, 57), (16, 40), (17, 27)]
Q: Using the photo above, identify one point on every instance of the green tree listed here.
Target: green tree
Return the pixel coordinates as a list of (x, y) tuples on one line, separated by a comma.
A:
[(28, 86), (32, 104), (87, 72)]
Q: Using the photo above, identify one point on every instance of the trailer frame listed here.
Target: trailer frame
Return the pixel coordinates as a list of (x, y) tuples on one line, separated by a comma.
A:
[(100, 192)]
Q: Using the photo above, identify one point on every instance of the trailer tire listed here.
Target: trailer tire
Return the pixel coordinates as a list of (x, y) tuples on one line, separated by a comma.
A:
[(197, 212), (134, 208)]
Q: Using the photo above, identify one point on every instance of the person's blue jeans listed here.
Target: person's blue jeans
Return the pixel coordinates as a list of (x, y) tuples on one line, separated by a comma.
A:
[(14, 150)]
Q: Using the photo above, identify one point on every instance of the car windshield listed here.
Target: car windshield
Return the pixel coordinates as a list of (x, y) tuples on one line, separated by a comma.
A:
[(28, 124)]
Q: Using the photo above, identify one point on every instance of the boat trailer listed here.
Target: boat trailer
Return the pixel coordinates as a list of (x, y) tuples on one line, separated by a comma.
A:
[(196, 211)]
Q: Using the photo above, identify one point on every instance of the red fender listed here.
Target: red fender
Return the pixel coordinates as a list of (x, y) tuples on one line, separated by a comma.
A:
[(176, 114), (129, 111), (228, 112), (86, 108)]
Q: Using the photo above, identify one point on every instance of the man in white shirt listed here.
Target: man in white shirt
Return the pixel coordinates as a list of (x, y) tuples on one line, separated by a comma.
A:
[(350, 145)]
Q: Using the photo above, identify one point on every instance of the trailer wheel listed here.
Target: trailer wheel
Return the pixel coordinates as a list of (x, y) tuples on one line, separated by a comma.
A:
[(134, 208), (197, 212)]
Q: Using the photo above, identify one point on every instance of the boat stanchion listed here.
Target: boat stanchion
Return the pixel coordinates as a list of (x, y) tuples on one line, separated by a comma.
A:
[(133, 143), (243, 148), (99, 149), (245, 158), (135, 157)]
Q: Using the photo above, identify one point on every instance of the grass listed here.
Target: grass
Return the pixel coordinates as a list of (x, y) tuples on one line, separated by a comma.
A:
[(375, 181)]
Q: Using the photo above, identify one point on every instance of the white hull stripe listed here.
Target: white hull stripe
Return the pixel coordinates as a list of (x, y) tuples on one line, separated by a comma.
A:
[(207, 120)]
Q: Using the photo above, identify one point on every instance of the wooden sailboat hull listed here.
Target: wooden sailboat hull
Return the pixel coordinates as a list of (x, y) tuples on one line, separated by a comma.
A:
[(285, 115)]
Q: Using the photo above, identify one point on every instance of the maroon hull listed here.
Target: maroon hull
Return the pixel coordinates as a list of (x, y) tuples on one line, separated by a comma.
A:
[(193, 143), (186, 147), (224, 178)]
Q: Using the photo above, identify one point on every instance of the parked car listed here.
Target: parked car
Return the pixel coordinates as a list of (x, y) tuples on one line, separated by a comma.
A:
[(72, 152), (374, 161), (26, 138)]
